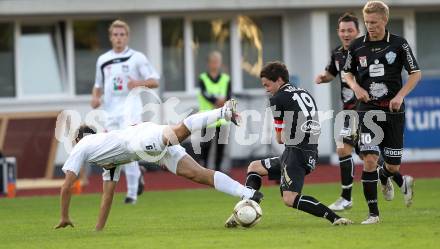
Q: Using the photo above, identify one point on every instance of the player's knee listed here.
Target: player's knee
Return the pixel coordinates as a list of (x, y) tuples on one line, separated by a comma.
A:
[(344, 151), (257, 167), (370, 162), (392, 168)]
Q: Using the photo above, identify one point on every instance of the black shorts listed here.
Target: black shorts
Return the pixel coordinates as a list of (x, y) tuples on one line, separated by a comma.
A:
[(295, 165), (391, 128), (273, 167)]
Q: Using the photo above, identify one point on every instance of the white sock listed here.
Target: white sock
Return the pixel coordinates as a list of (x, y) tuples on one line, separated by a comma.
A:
[(200, 120), (229, 186), (132, 173)]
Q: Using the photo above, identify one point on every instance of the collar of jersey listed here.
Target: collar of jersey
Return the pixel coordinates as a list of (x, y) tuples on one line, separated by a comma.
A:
[(121, 53), (386, 38)]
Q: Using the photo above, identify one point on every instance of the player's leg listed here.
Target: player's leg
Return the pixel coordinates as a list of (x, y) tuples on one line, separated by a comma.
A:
[(132, 174), (292, 182), (346, 166), (392, 152), (219, 148), (369, 152), (180, 163), (174, 134)]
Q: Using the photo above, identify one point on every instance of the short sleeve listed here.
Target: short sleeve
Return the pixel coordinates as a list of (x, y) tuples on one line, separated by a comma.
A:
[(146, 70), (277, 112), (76, 160), (99, 75), (409, 60), (331, 66)]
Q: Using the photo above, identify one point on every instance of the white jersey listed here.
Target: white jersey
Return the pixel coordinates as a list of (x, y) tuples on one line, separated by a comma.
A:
[(113, 72), (111, 149)]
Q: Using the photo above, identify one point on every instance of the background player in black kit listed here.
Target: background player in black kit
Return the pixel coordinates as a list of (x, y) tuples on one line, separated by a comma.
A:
[(376, 60), (348, 30), (297, 126)]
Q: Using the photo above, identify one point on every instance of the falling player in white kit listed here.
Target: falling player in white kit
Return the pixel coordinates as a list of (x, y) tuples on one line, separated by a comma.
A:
[(117, 72), (150, 142)]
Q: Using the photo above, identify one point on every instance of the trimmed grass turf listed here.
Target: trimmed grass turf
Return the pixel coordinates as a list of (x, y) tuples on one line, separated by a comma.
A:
[(194, 219)]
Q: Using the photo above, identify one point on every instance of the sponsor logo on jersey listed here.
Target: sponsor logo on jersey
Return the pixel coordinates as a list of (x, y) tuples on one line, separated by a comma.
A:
[(363, 61), (311, 126), (409, 57), (347, 94), (377, 69), (391, 57), (378, 90), (392, 152)]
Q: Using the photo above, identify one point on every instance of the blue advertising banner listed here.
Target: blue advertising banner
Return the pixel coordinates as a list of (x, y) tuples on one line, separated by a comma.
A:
[(422, 124)]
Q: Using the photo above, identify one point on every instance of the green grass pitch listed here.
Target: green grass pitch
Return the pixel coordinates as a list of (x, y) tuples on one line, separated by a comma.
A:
[(194, 219)]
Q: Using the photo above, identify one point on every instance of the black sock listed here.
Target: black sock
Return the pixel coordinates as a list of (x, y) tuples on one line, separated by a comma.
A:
[(347, 172), (253, 180), (312, 206), (384, 174), (398, 179), (369, 182)]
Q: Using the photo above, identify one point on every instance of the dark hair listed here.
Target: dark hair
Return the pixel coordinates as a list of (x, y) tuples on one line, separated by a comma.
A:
[(349, 17), (274, 70), (84, 130)]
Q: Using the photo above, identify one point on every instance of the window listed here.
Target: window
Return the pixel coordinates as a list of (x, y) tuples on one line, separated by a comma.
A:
[(260, 43), (42, 59), (209, 36), (173, 57), (7, 85), (428, 35), (91, 40)]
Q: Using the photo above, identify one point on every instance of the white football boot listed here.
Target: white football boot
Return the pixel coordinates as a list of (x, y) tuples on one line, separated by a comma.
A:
[(230, 113), (407, 189), (342, 221), (371, 220), (341, 204), (387, 190)]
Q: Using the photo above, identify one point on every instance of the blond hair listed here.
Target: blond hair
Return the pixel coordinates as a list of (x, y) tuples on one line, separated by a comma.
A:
[(378, 7), (118, 24)]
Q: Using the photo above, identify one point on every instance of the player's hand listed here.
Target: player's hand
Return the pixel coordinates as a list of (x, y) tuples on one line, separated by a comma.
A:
[(64, 223), (220, 102), (132, 83), (361, 94), (95, 103), (320, 78), (396, 103)]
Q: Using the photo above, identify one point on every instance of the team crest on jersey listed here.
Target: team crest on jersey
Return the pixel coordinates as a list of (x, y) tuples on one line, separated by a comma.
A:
[(378, 90), (391, 57), (363, 61), (347, 94), (125, 68), (311, 126)]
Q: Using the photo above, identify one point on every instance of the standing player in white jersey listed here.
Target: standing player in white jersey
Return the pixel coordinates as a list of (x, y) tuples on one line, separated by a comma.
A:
[(117, 72), (151, 142)]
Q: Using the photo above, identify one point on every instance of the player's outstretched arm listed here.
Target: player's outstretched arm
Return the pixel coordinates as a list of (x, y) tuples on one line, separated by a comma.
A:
[(65, 195), (106, 203)]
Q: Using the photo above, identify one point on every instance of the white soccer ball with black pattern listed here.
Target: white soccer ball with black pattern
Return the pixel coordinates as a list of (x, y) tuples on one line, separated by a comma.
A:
[(247, 213)]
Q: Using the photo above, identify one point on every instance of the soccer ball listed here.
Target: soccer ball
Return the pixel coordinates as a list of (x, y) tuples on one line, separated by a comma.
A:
[(247, 213)]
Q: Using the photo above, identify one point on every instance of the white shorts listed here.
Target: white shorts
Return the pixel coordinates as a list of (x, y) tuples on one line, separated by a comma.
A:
[(112, 174)]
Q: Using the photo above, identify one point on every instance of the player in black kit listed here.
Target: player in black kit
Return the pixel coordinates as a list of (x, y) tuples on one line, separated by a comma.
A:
[(297, 126), (376, 60)]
